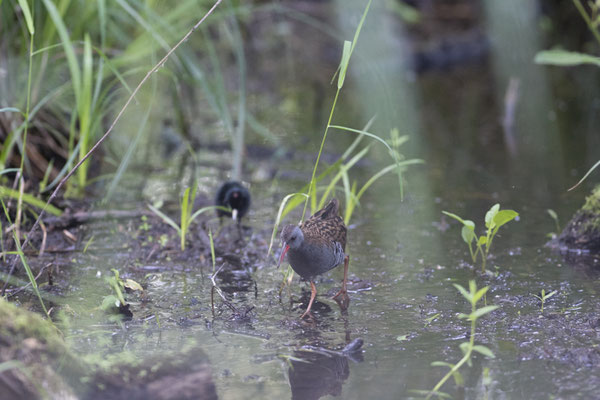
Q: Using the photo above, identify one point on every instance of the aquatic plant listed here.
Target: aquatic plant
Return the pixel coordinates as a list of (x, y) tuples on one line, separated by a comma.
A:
[(473, 295), (494, 219), (115, 303), (543, 296), (186, 216)]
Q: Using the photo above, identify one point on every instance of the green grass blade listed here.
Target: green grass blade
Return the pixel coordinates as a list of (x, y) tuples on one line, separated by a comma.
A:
[(185, 206), (27, 14), (63, 33), (84, 109), (585, 176), (338, 176), (165, 218), (30, 199), (372, 136), (29, 273), (296, 201), (344, 63), (205, 209), (384, 171)]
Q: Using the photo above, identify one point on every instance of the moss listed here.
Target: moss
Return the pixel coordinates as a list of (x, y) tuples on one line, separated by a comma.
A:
[(592, 203), (583, 231), (50, 367), (18, 324)]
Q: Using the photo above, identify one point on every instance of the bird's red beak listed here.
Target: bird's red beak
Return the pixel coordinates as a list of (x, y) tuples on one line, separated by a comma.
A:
[(285, 248)]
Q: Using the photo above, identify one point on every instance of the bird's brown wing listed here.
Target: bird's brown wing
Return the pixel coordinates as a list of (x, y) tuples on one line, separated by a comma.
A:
[(329, 211), (326, 225)]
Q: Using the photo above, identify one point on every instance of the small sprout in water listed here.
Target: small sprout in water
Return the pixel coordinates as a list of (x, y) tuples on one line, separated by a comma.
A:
[(543, 296), (472, 295), (402, 338), (429, 320), (145, 226), (163, 240), (494, 219), (186, 215)]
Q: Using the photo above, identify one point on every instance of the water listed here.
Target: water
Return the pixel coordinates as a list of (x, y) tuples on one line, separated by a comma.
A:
[(405, 255), (404, 259)]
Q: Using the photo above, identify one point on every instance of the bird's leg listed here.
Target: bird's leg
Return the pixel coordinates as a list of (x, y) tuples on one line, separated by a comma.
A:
[(313, 294), (342, 297), (239, 229)]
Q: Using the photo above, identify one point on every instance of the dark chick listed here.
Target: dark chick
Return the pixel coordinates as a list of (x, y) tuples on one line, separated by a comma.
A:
[(317, 246), (235, 196)]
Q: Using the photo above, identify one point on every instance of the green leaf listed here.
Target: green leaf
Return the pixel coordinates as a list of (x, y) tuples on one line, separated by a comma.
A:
[(472, 288), (552, 214), (480, 294), (482, 311), (456, 217), (503, 217), (132, 285), (464, 347), (402, 338), (482, 240), (442, 364), (489, 216), (463, 291), (564, 58), (110, 302), (468, 232), (484, 350), (27, 13)]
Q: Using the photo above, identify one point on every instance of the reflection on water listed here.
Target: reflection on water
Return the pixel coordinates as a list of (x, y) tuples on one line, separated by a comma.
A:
[(319, 372)]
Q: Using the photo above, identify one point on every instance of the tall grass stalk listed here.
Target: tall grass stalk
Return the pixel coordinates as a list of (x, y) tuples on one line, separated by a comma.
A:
[(343, 68)]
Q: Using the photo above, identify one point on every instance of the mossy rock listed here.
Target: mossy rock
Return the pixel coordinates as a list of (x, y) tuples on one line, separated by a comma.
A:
[(38, 363), (184, 375), (35, 363), (582, 233)]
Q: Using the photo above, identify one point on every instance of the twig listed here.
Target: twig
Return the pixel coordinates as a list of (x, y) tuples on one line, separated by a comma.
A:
[(44, 237), (72, 171), (80, 217), (19, 290), (215, 287)]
